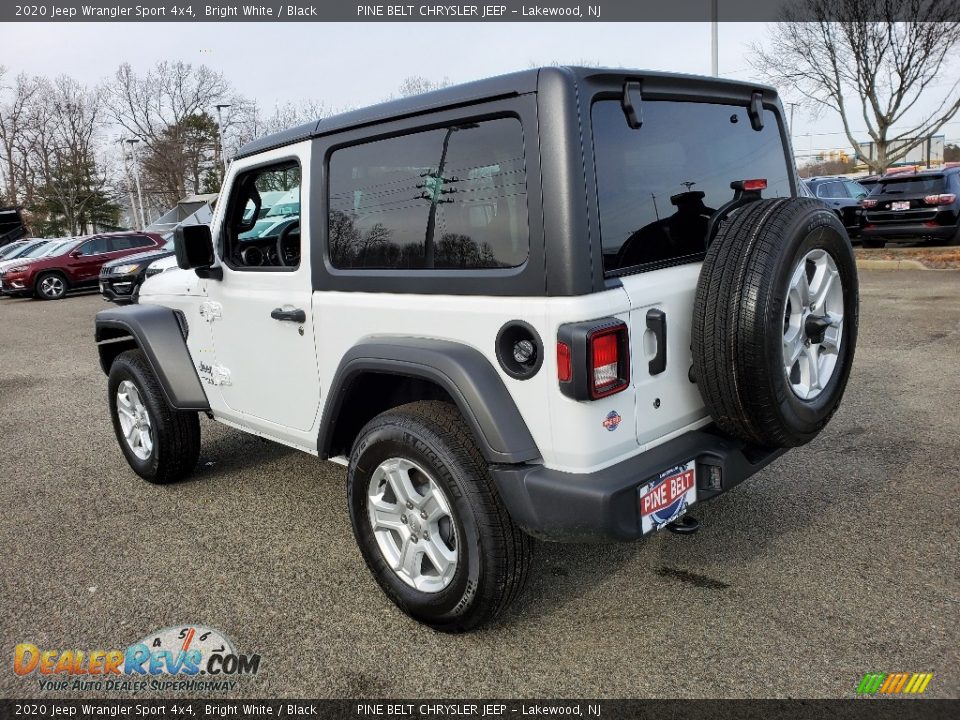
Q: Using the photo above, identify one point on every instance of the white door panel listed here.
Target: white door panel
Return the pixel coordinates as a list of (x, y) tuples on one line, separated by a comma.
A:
[(266, 369)]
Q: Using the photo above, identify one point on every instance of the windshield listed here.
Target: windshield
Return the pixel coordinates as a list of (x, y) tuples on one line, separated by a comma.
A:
[(289, 204), (34, 251), (659, 185), (52, 248), (909, 185), (9, 250)]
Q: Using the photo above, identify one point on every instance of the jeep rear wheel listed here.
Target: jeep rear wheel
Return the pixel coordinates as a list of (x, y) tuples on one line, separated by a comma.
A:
[(428, 519), (775, 322), (161, 444)]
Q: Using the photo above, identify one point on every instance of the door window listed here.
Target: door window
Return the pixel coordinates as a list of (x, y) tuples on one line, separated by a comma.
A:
[(97, 246), (258, 239), (834, 189)]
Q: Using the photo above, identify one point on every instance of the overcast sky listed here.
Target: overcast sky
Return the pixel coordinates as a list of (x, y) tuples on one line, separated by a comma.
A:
[(355, 64)]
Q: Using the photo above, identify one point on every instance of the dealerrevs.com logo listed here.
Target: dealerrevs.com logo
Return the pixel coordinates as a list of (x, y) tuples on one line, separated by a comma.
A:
[(186, 657)]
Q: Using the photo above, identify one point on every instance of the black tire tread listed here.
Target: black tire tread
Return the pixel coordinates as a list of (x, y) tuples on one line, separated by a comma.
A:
[(511, 551), (178, 435), (730, 316)]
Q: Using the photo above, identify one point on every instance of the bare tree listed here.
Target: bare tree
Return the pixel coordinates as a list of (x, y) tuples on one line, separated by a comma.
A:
[(157, 108), (417, 85), (72, 192), (856, 58), (247, 119), (16, 100)]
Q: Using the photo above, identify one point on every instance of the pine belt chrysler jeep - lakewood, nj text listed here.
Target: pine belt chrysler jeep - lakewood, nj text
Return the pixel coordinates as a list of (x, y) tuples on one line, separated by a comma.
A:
[(565, 304)]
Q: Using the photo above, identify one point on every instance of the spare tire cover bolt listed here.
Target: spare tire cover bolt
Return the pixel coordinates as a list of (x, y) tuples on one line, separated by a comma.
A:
[(403, 519), (409, 505)]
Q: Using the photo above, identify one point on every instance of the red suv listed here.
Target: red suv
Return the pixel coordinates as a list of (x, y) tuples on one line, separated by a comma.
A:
[(77, 265)]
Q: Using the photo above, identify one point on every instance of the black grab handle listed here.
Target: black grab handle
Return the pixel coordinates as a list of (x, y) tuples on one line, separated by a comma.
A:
[(297, 316), (657, 322)]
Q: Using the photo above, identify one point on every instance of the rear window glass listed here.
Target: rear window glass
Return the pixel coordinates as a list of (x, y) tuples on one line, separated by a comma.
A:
[(657, 186), (902, 186), (453, 198)]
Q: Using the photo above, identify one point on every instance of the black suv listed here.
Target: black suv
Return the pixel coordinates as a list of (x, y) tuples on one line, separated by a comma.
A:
[(120, 280), (920, 206), (841, 195)]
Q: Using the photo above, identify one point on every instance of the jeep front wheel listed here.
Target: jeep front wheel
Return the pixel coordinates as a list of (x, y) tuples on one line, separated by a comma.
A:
[(161, 444), (428, 519)]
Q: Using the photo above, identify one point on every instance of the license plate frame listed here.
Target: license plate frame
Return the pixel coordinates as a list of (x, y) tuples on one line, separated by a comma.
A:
[(667, 497)]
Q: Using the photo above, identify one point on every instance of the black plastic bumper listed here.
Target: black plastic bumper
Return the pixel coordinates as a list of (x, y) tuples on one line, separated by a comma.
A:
[(604, 505), (912, 230)]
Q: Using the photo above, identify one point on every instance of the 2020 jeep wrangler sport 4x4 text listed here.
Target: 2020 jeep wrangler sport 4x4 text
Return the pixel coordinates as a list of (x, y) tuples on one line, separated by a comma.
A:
[(564, 303)]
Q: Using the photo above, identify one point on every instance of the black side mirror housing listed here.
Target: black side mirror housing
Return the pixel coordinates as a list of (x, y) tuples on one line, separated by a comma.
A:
[(193, 245)]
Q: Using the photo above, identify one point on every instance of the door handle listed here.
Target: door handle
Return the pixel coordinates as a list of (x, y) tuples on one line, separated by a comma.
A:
[(657, 323), (297, 316)]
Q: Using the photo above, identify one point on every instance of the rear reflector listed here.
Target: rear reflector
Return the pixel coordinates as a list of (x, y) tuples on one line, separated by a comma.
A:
[(755, 184), (564, 370)]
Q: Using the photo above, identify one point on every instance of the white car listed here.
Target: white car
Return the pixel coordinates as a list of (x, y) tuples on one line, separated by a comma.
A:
[(564, 304)]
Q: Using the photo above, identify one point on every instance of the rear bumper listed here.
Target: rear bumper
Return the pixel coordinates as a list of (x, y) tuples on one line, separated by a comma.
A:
[(604, 505), (908, 230)]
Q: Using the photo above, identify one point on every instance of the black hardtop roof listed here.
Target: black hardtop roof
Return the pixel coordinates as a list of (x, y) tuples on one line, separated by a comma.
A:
[(500, 86)]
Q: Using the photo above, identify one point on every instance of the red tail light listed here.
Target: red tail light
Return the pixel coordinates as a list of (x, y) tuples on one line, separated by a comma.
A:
[(564, 370), (755, 184), (868, 203), (608, 354), (943, 199)]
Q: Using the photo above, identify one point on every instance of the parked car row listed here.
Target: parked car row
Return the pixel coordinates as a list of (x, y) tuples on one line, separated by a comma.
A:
[(49, 269), (922, 205)]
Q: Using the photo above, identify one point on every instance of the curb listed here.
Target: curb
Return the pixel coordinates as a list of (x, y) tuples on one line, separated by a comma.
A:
[(906, 264)]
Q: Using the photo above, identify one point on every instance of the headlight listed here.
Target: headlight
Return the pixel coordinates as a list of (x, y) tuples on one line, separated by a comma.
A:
[(18, 268), (124, 269)]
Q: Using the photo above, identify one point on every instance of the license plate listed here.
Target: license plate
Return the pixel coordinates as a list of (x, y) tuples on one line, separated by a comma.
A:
[(667, 498), (900, 205), (103, 287)]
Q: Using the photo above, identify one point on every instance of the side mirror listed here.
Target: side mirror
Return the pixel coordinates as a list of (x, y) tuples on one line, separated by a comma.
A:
[(76, 254), (193, 246)]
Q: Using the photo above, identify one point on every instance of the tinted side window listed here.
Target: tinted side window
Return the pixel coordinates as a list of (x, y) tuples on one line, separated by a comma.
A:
[(95, 246), (127, 242), (658, 185), (831, 189), (452, 198)]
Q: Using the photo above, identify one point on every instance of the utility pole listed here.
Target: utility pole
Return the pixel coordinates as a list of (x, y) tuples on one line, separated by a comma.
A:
[(223, 149), (714, 38), (136, 176), (792, 106), (126, 176)]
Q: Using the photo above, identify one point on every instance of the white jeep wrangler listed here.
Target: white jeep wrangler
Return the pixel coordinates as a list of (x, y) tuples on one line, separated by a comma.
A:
[(565, 303)]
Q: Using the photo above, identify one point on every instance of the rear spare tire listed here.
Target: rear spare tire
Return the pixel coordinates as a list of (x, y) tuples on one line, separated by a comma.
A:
[(775, 321)]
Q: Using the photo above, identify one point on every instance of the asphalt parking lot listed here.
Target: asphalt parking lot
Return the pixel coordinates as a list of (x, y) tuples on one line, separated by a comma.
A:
[(840, 559)]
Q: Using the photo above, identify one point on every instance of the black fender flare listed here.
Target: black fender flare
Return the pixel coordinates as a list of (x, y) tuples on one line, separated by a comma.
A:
[(161, 333), (462, 371)]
